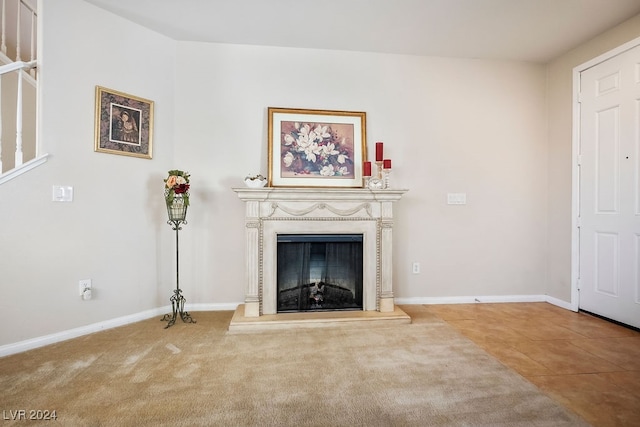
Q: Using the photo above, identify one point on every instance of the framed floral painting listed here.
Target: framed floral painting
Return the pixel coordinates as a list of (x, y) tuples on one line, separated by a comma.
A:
[(316, 148), (124, 124)]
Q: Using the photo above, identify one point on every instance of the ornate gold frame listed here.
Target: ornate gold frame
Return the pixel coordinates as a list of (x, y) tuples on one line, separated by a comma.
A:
[(348, 139), (131, 137)]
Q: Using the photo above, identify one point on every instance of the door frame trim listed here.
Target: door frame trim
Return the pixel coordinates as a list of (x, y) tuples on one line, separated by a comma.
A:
[(575, 166)]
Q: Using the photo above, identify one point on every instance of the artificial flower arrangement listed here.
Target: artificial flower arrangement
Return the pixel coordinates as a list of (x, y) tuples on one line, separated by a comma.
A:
[(177, 183)]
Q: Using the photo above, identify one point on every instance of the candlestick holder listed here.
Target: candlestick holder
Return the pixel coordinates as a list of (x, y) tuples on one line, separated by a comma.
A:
[(385, 180)]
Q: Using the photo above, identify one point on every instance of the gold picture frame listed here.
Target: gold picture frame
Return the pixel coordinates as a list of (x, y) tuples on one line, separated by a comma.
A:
[(123, 124), (316, 148)]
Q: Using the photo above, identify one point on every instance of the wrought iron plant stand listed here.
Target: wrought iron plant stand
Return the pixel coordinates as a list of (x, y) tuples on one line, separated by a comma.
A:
[(177, 210)]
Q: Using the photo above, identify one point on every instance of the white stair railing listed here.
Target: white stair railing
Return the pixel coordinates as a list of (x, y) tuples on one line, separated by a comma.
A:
[(18, 67), (18, 9), (19, 22)]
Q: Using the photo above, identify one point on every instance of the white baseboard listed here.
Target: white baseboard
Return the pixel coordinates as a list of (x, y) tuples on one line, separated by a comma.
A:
[(231, 306), (489, 299), (473, 299), (33, 343), (561, 303)]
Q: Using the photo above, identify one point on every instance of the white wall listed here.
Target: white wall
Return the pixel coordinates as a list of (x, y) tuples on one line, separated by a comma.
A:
[(560, 95), (114, 231), (449, 125)]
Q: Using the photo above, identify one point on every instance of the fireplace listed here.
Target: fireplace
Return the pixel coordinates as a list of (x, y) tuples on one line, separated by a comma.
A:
[(316, 213), (319, 272)]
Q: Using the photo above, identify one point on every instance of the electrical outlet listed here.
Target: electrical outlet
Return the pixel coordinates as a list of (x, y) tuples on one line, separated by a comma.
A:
[(84, 285), (416, 268)]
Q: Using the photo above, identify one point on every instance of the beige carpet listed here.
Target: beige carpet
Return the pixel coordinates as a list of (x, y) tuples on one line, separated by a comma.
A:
[(421, 374)]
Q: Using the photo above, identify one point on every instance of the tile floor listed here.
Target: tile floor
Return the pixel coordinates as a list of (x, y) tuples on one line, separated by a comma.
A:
[(587, 364)]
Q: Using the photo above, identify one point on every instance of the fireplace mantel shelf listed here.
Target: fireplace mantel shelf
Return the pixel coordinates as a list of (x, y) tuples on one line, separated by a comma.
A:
[(318, 194), (270, 211)]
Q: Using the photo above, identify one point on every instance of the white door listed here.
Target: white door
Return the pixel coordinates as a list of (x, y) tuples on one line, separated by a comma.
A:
[(609, 193)]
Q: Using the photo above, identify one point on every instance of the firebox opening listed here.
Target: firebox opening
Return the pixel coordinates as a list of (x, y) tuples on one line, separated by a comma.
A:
[(319, 272)]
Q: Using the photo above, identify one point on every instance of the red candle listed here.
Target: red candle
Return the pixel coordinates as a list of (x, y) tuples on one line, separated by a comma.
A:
[(367, 169), (386, 164), (379, 151)]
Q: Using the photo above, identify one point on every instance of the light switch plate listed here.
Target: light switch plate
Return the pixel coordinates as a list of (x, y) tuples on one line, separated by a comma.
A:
[(457, 198), (62, 193)]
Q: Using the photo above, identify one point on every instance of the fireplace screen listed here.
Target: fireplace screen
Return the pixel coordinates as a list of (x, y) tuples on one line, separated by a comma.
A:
[(319, 272)]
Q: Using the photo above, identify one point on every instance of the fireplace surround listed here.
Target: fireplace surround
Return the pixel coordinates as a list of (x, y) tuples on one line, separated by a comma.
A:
[(273, 211)]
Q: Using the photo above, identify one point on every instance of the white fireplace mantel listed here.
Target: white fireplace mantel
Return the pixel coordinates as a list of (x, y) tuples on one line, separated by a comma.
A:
[(271, 211)]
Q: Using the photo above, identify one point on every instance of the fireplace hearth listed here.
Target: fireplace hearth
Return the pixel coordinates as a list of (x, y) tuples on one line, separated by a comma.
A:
[(274, 216)]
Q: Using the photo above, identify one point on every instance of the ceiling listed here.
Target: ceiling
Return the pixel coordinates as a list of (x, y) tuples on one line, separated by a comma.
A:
[(527, 30)]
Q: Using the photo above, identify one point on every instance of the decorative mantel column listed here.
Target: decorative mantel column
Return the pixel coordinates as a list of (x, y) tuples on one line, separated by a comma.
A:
[(272, 211)]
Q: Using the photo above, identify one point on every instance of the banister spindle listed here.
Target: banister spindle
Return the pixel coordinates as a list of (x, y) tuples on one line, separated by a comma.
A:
[(33, 42), (1, 169), (18, 58), (19, 157), (3, 47), (33, 36)]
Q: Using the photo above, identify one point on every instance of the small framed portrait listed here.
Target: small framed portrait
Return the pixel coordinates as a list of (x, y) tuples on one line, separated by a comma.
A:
[(124, 124), (316, 148)]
